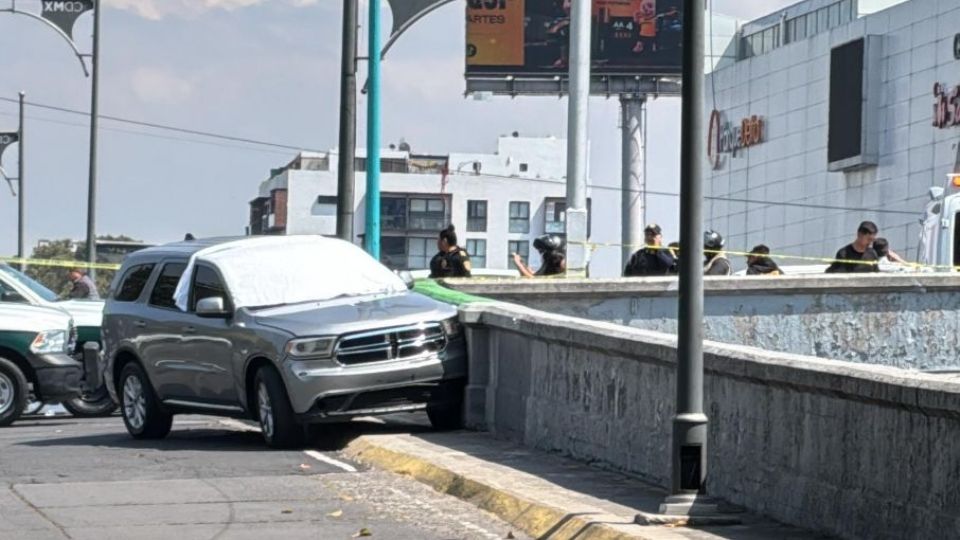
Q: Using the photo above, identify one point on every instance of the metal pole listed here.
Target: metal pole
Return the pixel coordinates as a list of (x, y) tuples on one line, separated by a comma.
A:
[(372, 230), (94, 125), (633, 174), (577, 143), (689, 448), (348, 122), (21, 192)]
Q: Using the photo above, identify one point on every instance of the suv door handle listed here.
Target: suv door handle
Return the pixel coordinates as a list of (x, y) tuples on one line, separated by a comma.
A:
[(140, 324)]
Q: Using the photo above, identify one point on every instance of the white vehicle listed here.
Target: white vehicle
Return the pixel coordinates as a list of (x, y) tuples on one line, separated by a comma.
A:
[(939, 233)]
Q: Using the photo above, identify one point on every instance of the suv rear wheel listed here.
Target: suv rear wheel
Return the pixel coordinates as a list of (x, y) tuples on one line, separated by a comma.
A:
[(13, 392), (277, 423), (141, 409), (91, 405)]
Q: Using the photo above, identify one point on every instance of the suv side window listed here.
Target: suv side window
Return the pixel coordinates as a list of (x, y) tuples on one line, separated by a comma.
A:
[(162, 294), (207, 284), (134, 282)]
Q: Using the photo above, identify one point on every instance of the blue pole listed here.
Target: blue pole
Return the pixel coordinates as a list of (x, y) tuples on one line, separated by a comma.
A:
[(372, 229)]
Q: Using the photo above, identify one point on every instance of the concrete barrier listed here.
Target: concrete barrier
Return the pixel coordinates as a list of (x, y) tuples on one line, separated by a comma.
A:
[(907, 321), (854, 450)]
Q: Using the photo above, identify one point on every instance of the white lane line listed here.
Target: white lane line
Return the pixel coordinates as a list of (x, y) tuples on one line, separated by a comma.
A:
[(236, 424), (330, 461)]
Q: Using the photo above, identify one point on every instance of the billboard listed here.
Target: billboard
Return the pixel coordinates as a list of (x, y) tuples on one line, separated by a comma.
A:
[(531, 38)]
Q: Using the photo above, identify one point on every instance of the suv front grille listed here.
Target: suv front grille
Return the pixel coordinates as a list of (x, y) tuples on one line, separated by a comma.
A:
[(391, 344)]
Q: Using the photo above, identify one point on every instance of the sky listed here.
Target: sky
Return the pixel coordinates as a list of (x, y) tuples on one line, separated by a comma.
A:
[(265, 70)]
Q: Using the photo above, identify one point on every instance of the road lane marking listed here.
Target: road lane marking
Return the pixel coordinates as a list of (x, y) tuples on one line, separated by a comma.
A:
[(330, 461)]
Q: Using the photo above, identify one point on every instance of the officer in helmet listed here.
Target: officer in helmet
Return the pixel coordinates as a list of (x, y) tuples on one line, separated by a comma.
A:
[(551, 251), (715, 262)]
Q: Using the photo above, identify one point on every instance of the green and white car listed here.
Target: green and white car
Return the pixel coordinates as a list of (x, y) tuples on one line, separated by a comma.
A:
[(36, 360), (19, 289)]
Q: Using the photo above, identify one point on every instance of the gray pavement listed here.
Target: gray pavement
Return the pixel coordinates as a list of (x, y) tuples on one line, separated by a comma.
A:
[(62, 477)]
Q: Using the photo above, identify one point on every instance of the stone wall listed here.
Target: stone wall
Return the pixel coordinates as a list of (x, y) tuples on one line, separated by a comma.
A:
[(847, 449), (906, 321)]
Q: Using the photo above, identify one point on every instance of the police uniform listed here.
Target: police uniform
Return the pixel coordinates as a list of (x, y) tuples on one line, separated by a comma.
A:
[(451, 264)]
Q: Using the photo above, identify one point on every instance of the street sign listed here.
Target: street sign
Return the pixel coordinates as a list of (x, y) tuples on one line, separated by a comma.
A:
[(64, 14), (8, 139)]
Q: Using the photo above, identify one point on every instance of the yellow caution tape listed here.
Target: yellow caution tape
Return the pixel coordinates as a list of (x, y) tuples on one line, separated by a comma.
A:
[(62, 263), (593, 246)]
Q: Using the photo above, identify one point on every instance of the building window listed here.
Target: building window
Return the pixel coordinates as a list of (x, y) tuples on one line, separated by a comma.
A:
[(524, 167), (476, 216), (428, 214), (393, 252), (324, 206), (477, 249), (555, 217), (521, 247), (520, 217), (393, 213), (419, 252)]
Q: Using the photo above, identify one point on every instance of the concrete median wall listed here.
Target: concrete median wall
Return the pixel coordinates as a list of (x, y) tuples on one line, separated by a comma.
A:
[(907, 321), (848, 449)]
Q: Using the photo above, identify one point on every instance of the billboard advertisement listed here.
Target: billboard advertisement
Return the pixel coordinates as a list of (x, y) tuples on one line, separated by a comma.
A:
[(531, 38)]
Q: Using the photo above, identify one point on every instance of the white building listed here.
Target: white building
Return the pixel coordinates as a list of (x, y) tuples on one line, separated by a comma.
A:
[(498, 203), (835, 105)]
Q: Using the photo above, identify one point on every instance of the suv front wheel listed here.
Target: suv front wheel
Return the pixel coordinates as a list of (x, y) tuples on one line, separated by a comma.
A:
[(141, 409), (277, 423)]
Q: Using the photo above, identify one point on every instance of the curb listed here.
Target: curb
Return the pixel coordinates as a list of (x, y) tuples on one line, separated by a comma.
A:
[(533, 518)]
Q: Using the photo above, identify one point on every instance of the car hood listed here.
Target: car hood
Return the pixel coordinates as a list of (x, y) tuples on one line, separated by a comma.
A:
[(25, 318), (342, 316), (84, 312)]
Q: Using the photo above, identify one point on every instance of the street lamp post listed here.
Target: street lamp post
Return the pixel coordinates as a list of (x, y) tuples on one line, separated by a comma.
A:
[(21, 192), (348, 122), (372, 229), (94, 125), (689, 445), (578, 126)]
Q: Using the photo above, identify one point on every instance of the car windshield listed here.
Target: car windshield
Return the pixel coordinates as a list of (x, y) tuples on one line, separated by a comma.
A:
[(29, 283), (272, 271)]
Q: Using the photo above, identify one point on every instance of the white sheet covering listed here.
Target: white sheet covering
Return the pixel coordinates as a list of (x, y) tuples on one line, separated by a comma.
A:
[(270, 270)]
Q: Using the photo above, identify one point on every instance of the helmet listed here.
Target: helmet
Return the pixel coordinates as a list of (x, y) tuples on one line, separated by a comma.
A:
[(548, 242), (712, 240)]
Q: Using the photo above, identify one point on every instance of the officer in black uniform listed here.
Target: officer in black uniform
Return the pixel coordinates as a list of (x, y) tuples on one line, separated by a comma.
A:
[(450, 261), (653, 259)]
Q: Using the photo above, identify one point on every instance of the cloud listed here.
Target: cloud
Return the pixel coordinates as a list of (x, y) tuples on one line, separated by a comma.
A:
[(160, 86), (158, 9)]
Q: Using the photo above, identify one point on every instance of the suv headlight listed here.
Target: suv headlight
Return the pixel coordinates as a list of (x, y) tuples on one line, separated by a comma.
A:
[(452, 328), (311, 347), (50, 341)]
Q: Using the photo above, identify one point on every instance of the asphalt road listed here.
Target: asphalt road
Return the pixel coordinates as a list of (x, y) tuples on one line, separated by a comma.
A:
[(213, 479)]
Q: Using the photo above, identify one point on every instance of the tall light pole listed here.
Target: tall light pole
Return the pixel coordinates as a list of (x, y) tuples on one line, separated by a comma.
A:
[(578, 114), (21, 192), (94, 128), (348, 123), (689, 446), (371, 236)]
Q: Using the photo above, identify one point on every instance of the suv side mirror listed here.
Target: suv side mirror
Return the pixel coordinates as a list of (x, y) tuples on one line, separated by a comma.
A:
[(407, 278), (12, 297), (212, 308)]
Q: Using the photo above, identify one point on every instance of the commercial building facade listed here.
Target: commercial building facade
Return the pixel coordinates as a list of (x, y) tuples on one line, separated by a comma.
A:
[(834, 111)]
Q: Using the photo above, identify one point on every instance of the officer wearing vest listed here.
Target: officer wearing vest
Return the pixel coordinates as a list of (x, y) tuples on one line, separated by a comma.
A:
[(450, 261), (715, 262)]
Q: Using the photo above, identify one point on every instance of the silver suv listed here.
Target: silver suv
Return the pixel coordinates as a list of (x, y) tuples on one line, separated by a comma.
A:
[(284, 330)]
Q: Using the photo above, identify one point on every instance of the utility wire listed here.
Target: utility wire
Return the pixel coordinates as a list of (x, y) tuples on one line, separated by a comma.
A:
[(165, 127)]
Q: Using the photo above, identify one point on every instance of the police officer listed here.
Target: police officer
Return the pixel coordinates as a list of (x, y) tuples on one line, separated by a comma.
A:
[(653, 259), (715, 262), (551, 251), (450, 261)]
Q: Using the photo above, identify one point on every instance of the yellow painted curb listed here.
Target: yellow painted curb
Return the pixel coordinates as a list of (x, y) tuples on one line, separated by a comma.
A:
[(535, 519)]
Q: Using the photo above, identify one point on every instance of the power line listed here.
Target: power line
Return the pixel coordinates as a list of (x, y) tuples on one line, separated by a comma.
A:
[(153, 125)]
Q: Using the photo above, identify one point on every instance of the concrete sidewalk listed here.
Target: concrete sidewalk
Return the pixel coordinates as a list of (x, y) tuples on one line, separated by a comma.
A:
[(544, 495)]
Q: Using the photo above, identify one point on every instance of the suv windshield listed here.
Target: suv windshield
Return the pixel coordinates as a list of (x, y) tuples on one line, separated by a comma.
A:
[(28, 282)]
